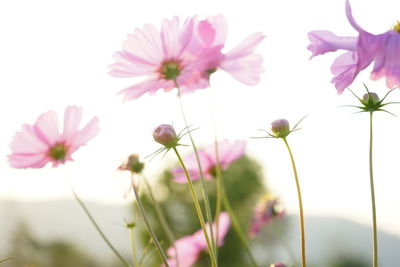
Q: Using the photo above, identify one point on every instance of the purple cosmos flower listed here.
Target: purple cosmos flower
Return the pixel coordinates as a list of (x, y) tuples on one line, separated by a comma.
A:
[(267, 209), (36, 145), (362, 51), (228, 152), (189, 247)]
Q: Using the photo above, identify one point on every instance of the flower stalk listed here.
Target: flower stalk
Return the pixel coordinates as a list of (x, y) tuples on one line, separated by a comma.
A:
[(198, 210), (302, 232), (371, 177), (202, 179), (148, 226)]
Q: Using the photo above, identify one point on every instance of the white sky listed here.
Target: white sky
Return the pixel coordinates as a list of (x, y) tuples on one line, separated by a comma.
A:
[(56, 53)]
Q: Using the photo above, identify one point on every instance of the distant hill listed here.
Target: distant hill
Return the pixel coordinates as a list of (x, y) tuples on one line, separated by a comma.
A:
[(63, 219)]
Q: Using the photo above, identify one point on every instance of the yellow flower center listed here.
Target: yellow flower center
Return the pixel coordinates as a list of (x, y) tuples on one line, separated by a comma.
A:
[(58, 152), (396, 27)]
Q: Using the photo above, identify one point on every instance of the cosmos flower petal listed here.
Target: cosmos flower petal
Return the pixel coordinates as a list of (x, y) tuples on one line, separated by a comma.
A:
[(245, 47), (387, 62), (345, 70), (83, 136), (325, 41), (27, 142), (46, 127), (224, 224), (72, 119), (192, 167), (148, 86), (231, 152), (246, 70), (17, 160), (352, 21)]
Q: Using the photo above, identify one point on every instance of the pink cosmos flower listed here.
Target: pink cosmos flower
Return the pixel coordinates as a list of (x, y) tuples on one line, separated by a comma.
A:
[(241, 62), (228, 153), (163, 56), (36, 145), (362, 51), (267, 209), (189, 247)]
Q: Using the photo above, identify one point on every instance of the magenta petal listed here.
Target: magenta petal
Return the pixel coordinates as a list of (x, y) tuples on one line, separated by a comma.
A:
[(351, 19), (224, 224), (207, 32), (345, 70), (325, 41)]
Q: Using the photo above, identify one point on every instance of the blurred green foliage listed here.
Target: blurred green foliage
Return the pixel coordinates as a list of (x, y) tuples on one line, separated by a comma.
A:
[(30, 252)]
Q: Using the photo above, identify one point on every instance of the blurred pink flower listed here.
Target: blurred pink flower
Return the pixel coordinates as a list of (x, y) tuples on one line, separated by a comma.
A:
[(362, 51), (189, 247), (265, 211), (241, 62), (36, 145), (163, 56), (228, 153)]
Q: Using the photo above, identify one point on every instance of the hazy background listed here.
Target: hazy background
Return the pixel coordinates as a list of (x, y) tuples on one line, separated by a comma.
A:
[(56, 53)]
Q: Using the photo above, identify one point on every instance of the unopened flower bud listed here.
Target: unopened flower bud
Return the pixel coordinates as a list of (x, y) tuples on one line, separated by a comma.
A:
[(371, 97), (133, 164), (278, 264), (280, 128), (165, 135)]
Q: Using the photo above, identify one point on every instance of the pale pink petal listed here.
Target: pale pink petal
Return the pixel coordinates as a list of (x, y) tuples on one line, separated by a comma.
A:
[(345, 70), (185, 37), (27, 142), (83, 136), (231, 152), (325, 41), (246, 47), (192, 167), (188, 252), (46, 128), (137, 90), (246, 69), (128, 65), (143, 45), (19, 160), (221, 27), (169, 38), (72, 119), (206, 32), (224, 224)]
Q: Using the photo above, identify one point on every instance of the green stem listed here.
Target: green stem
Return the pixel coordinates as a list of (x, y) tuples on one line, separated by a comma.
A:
[(162, 220), (198, 210), (303, 240), (202, 179), (149, 228), (236, 225), (85, 209), (219, 196), (6, 259), (132, 238), (371, 179)]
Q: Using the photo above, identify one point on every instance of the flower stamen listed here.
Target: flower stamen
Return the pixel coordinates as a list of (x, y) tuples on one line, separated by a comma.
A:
[(58, 152), (170, 69), (396, 27)]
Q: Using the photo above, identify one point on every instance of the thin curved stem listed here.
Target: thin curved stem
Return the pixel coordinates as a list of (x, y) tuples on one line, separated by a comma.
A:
[(132, 238), (371, 179), (6, 259), (162, 220), (303, 240), (198, 210), (202, 179), (148, 226), (236, 225), (85, 209)]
